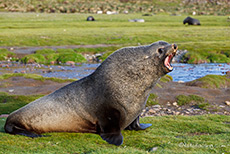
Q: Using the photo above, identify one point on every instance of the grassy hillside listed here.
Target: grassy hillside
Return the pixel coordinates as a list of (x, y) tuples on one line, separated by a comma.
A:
[(214, 7), (169, 134)]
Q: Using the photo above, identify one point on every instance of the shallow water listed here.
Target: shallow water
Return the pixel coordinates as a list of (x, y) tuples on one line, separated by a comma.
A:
[(189, 72), (182, 72)]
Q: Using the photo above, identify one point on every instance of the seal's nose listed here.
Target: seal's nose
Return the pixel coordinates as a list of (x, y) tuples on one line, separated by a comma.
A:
[(174, 46)]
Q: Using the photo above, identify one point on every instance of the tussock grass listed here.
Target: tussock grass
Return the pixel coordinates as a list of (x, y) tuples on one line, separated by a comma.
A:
[(183, 99), (170, 134), (211, 81)]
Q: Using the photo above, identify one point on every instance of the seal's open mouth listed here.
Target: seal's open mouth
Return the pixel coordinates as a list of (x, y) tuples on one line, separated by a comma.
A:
[(169, 57), (167, 61)]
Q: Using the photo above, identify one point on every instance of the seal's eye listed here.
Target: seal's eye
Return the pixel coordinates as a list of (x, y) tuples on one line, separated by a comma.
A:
[(160, 50)]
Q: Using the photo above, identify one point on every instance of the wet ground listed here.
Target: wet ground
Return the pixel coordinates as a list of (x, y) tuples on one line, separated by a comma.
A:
[(182, 72), (216, 98)]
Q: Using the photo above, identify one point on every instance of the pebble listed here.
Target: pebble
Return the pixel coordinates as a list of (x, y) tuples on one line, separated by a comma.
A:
[(153, 149), (156, 106), (175, 104), (227, 103), (11, 90)]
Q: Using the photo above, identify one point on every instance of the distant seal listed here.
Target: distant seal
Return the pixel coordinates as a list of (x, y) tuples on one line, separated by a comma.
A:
[(90, 18), (191, 21), (105, 102)]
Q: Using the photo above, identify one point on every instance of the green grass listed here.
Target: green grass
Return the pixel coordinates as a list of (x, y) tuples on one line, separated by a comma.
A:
[(170, 134), (9, 103), (212, 81), (46, 56), (152, 100), (183, 99), (31, 29), (34, 76), (4, 54)]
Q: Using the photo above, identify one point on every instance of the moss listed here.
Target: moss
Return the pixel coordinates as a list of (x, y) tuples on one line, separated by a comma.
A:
[(203, 106), (166, 78), (96, 50), (35, 77), (211, 81), (45, 51), (183, 100), (220, 58), (51, 57), (63, 51), (152, 100), (194, 58), (75, 57), (4, 54), (104, 56), (38, 58)]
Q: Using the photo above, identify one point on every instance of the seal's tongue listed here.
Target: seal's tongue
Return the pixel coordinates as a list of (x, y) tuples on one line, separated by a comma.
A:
[(167, 61)]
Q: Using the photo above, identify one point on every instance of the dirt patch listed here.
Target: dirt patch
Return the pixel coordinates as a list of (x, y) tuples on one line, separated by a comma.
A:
[(23, 86)]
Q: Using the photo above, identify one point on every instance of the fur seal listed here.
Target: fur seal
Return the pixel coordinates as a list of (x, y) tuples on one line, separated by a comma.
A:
[(105, 102), (90, 18), (191, 21)]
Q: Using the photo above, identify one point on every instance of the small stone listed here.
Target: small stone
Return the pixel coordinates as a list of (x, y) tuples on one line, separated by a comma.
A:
[(227, 103), (153, 149), (152, 111), (177, 113), (221, 106), (175, 104), (11, 90), (156, 106), (168, 104), (71, 63)]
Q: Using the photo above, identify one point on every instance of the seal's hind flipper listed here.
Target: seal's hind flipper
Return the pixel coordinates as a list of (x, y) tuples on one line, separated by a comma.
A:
[(116, 139), (135, 125)]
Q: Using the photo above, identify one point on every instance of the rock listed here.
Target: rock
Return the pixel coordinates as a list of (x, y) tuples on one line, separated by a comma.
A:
[(152, 111), (153, 149), (52, 62), (177, 113), (71, 63), (227, 103), (99, 12), (111, 12), (156, 106), (175, 104), (136, 20), (11, 90)]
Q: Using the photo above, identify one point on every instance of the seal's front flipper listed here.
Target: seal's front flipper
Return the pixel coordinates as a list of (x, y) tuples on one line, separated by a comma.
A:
[(109, 126), (135, 125), (13, 129), (116, 139)]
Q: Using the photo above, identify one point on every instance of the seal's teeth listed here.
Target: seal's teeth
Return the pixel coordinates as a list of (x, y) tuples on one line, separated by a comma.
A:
[(167, 62)]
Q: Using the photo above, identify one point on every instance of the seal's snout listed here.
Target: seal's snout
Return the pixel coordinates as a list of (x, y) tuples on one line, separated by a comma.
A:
[(174, 46)]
